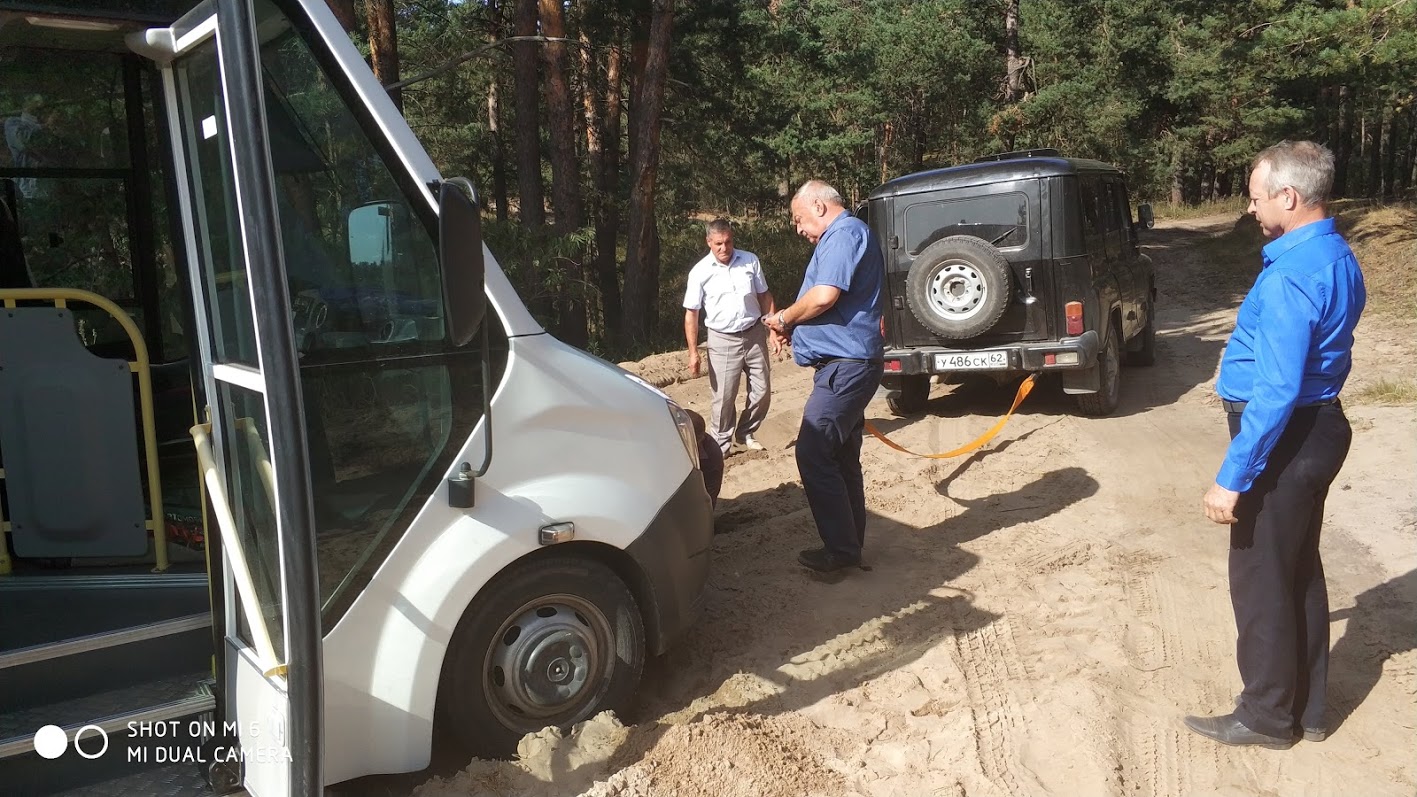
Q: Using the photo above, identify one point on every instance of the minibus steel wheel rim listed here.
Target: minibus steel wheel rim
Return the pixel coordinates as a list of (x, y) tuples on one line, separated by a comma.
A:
[(547, 660)]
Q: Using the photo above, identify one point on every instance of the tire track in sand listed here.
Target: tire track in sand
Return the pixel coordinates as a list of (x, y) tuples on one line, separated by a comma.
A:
[(990, 661)]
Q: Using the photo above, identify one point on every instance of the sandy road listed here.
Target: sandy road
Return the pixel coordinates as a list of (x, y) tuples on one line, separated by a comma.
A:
[(1038, 616)]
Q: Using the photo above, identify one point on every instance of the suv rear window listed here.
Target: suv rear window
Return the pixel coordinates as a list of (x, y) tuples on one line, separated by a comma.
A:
[(1001, 219)]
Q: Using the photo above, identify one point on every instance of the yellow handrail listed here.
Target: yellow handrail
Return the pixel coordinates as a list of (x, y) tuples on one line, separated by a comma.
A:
[(231, 547), (142, 367)]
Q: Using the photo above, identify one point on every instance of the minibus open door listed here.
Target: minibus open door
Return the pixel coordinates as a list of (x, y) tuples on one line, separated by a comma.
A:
[(251, 448)]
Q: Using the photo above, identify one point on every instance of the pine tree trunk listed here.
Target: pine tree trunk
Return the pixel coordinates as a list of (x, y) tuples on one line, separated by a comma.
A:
[(641, 265), (920, 142), (344, 12), (531, 202), (1390, 157), (602, 108), (1409, 161), (1374, 144), (591, 90), (561, 123), (1013, 62), (1342, 142), (384, 46), (1178, 195), (499, 150), (887, 139), (494, 119), (595, 204), (565, 171)]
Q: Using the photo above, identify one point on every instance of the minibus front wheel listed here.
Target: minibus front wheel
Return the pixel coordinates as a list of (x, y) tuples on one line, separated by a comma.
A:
[(549, 642)]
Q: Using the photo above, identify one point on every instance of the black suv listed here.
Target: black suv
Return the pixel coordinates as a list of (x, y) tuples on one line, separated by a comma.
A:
[(1020, 262)]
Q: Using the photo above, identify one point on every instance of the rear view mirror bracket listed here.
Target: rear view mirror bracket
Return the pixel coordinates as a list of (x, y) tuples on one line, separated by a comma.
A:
[(465, 297)]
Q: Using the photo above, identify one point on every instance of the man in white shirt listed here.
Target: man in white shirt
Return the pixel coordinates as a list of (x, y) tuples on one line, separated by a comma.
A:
[(727, 286)]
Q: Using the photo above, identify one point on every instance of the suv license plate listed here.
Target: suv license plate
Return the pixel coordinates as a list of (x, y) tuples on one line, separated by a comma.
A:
[(972, 361)]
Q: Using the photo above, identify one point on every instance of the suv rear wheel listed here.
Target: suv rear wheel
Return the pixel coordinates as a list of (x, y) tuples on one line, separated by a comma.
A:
[(959, 287), (910, 396), (1145, 353), (1109, 390)]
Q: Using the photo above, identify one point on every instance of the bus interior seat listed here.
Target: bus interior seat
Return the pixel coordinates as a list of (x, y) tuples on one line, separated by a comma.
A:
[(67, 429)]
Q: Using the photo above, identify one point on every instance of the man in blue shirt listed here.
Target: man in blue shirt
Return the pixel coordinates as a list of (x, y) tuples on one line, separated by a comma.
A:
[(1279, 380), (835, 326)]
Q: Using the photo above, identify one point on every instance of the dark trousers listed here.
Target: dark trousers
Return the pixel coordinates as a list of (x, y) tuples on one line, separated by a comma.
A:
[(1277, 583), (829, 453)]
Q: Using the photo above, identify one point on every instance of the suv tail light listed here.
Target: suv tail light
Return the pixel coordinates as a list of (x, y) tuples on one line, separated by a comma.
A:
[(1073, 311)]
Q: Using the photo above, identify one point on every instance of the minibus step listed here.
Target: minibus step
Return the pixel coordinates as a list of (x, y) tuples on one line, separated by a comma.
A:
[(40, 609), (57, 673), (156, 701), (122, 734), (177, 780), (105, 639)]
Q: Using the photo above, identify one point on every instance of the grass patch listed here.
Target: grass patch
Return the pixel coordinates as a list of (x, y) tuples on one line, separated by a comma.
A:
[(1228, 264), (1383, 238), (1213, 207), (1392, 392)]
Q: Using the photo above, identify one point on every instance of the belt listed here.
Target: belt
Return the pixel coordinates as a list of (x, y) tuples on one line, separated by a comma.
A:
[(743, 331), (1239, 406), (825, 361)]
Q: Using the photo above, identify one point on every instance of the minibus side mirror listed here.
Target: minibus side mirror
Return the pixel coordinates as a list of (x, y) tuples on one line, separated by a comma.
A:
[(460, 254)]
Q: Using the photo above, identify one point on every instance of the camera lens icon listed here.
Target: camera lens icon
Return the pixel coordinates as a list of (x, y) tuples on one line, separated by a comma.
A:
[(51, 742)]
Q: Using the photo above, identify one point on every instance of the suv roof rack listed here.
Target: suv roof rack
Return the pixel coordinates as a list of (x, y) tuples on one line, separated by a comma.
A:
[(1023, 153)]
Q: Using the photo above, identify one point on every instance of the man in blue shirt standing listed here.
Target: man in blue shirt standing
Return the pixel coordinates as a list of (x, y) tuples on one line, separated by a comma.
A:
[(835, 326), (1279, 381)]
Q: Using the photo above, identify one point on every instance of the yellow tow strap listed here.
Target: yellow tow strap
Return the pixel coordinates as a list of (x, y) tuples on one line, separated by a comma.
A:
[(1023, 391)]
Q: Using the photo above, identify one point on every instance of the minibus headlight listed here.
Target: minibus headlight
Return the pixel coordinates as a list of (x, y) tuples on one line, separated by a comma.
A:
[(686, 431)]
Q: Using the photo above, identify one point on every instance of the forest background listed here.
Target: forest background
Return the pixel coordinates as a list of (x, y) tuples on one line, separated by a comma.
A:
[(602, 133)]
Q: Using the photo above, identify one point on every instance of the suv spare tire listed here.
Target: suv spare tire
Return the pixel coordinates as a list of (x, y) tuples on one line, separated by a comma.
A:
[(959, 286)]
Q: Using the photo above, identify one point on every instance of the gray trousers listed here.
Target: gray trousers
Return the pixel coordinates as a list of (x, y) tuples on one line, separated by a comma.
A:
[(729, 357)]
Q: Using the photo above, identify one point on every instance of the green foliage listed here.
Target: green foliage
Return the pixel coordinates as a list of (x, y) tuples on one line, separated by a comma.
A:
[(539, 264), (763, 95), (783, 253)]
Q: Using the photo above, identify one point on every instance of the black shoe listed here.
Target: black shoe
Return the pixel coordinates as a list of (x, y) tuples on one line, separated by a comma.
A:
[(1310, 734), (824, 561), (1227, 729)]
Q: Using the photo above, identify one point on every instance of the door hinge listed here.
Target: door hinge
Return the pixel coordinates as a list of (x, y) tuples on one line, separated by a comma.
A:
[(895, 241)]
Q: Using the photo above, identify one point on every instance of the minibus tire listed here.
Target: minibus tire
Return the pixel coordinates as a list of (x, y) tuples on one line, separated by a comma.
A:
[(565, 603)]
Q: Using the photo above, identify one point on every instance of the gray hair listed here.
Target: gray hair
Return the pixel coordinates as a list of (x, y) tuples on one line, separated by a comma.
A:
[(719, 226), (819, 191), (1305, 166)]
